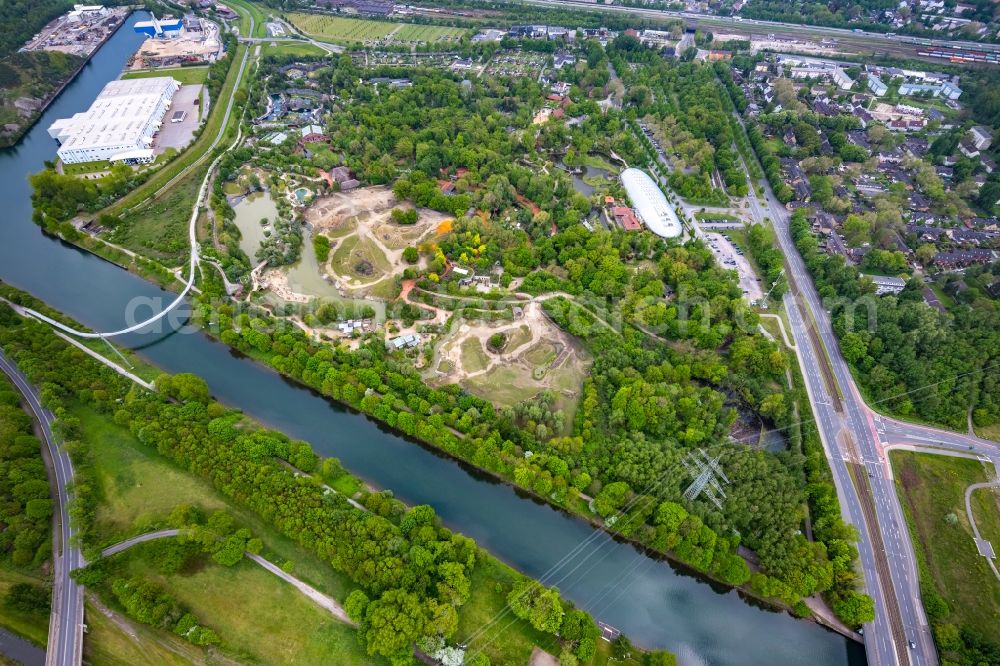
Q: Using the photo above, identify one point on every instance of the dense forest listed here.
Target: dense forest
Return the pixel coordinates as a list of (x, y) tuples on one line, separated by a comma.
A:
[(23, 18), (26, 516), (25, 538), (909, 358)]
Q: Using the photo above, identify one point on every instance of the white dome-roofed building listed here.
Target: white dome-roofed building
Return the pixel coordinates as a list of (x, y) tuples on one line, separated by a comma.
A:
[(651, 204)]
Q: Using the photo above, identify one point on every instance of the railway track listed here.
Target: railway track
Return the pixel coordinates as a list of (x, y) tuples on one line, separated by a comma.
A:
[(832, 387), (859, 477)]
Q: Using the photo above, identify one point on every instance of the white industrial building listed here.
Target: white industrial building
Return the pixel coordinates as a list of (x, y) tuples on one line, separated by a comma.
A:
[(651, 204), (88, 12), (120, 123)]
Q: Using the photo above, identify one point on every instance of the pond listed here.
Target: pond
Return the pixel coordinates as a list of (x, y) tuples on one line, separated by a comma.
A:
[(301, 194), (580, 180), (306, 277), (249, 213)]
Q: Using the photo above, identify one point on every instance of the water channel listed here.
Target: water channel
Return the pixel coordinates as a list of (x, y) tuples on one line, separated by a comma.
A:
[(657, 605)]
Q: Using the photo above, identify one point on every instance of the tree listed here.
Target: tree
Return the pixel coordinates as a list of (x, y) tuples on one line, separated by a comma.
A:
[(355, 605), (496, 342), (393, 622), (857, 230), (539, 605), (925, 253), (411, 255), (854, 608), (611, 498)]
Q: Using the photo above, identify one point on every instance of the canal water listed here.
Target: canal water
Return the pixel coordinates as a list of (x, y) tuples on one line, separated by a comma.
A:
[(651, 601)]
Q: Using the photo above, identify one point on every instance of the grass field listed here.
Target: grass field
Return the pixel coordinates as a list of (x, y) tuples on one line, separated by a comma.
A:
[(137, 485), (132, 644), (186, 76), (492, 581), (276, 624), (428, 33), (362, 31), (131, 499), (292, 49), (159, 230), (341, 29), (990, 432), (85, 167), (932, 490), (474, 358), (359, 259)]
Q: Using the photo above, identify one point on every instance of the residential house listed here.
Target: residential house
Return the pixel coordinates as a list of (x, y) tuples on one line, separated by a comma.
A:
[(963, 258)]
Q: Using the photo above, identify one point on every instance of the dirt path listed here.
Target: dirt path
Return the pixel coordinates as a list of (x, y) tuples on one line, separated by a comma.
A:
[(320, 599)]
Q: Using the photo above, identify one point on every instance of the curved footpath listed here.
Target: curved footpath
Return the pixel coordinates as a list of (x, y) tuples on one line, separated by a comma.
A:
[(981, 544), (324, 601), (194, 257)]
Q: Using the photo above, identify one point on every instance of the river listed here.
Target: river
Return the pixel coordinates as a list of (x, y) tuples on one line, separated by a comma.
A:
[(649, 600)]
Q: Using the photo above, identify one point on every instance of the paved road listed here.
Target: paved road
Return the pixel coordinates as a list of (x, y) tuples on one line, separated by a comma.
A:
[(856, 439), (972, 520), (867, 496), (142, 538), (65, 644), (747, 25)]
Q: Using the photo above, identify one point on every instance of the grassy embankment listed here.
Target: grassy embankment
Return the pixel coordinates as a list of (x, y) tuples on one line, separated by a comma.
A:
[(344, 30), (932, 491), (186, 76), (303, 49), (246, 10)]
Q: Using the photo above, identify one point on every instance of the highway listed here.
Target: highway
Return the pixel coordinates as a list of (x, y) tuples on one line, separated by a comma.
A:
[(738, 24), (857, 440), (65, 643)]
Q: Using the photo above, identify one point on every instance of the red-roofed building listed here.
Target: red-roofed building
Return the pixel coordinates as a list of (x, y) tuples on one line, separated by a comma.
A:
[(558, 113), (626, 219), (447, 187)]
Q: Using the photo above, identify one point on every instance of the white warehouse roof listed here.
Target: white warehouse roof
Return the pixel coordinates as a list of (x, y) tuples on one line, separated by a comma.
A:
[(651, 204), (122, 118)]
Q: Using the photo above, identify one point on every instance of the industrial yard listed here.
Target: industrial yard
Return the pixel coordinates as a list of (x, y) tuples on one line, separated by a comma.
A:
[(79, 32), (177, 42)]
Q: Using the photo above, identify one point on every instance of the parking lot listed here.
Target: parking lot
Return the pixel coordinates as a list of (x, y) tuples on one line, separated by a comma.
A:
[(179, 135), (729, 256)]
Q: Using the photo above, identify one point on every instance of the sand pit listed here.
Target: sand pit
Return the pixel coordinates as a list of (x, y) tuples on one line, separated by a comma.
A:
[(367, 246), (537, 355)]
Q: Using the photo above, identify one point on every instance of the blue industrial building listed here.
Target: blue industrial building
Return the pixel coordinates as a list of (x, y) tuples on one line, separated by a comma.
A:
[(156, 28)]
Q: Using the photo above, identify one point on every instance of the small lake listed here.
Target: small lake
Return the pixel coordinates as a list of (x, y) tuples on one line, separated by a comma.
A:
[(580, 180), (249, 212), (306, 277)]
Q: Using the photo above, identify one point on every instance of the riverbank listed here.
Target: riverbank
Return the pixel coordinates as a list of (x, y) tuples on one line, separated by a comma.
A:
[(112, 426), (7, 140), (654, 604)]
